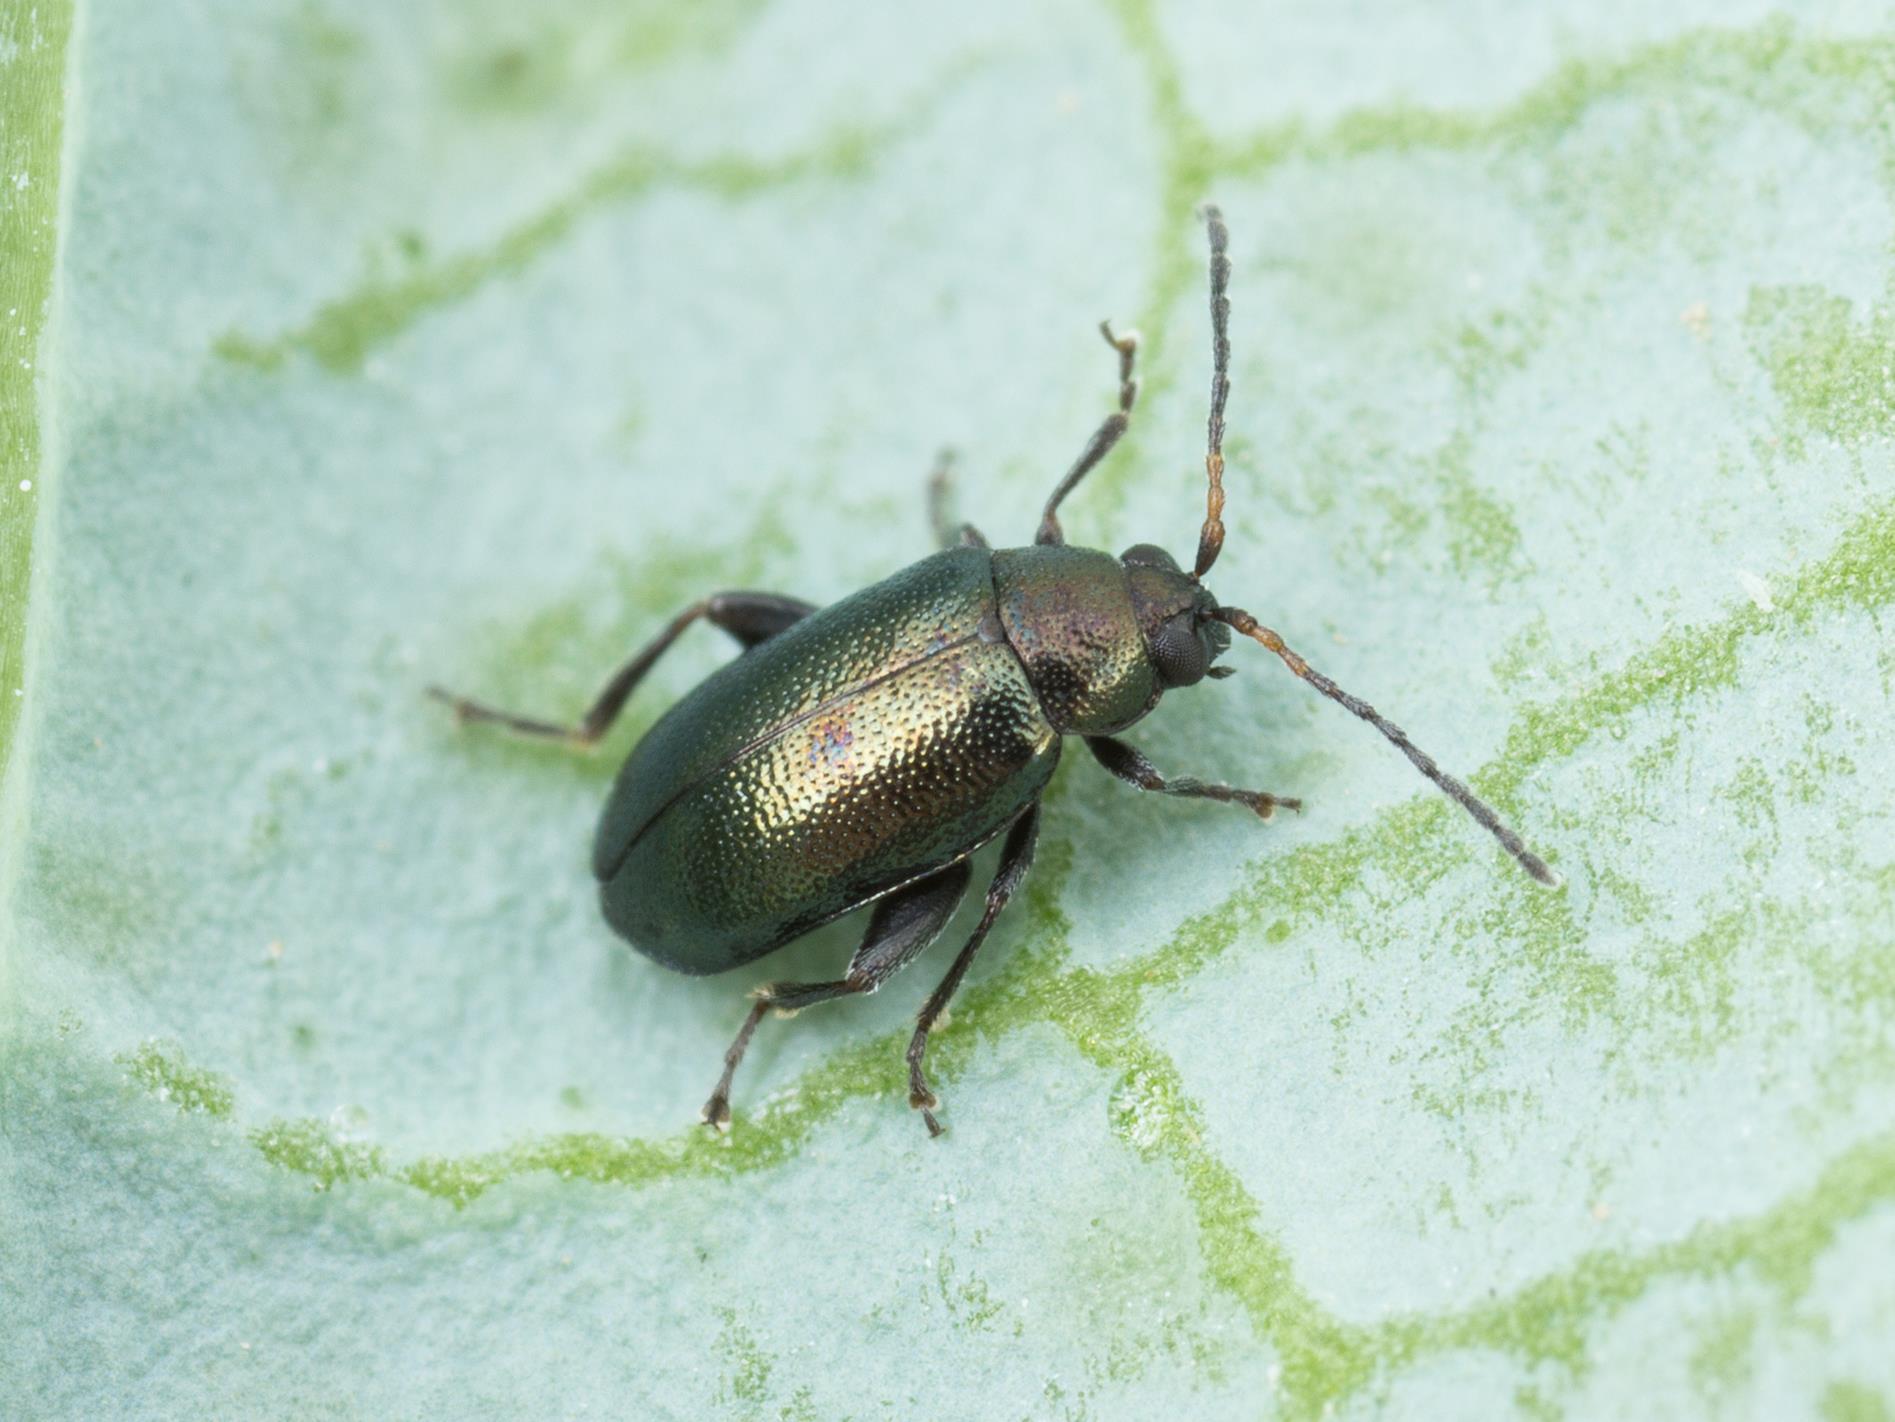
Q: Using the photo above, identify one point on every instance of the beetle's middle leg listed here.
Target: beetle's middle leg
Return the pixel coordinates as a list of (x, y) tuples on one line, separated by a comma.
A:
[(946, 532), (750, 617), (1015, 859), (903, 924), (1129, 765)]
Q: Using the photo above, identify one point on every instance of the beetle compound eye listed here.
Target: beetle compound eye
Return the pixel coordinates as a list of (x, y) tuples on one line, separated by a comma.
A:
[(1178, 654)]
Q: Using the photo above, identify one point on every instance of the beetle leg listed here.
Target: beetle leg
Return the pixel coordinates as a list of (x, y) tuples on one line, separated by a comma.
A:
[(1107, 435), (750, 617), (946, 532), (904, 923), (1015, 859), (1130, 766)]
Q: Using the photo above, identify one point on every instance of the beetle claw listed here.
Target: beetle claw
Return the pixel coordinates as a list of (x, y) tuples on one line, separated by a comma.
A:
[(923, 1100), (1267, 805), (716, 1115)]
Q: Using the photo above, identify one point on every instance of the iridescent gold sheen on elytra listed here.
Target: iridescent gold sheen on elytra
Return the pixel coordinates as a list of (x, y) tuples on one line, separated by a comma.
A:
[(863, 749), (861, 752)]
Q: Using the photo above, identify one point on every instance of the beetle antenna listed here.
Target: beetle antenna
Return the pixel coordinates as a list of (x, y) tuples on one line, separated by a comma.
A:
[(1241, 621), (1211, 536)]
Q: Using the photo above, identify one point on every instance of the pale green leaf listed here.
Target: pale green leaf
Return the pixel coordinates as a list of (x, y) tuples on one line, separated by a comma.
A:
[(353, 347)]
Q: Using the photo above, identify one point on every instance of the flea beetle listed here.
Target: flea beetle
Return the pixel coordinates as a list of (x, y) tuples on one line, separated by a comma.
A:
[(861, 753)]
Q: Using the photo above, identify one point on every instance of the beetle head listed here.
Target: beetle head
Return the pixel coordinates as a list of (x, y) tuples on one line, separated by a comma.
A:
[(1174, 613)]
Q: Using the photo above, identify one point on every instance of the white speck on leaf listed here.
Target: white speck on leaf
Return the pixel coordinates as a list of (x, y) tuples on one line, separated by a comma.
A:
[(1758, 589)]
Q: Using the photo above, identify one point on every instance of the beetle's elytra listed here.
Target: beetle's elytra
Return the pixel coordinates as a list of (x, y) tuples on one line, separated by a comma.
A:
[(862, 752)]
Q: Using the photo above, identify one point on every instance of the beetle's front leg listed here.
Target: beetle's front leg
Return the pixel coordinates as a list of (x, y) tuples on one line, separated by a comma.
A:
[(1015, 859), (1130, 766), (1107, 435), (750, 617)]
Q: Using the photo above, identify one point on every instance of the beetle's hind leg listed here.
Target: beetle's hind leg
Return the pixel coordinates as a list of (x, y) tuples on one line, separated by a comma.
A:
[(750, 617), (947, 533), (903, 924), (1129, 765), (1015, 859)]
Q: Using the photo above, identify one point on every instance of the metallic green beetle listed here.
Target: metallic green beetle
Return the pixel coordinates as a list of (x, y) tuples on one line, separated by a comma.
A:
[(861, 753)]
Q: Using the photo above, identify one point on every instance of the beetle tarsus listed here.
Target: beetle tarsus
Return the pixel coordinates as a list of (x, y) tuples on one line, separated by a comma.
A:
[(1129, 764), (751, 617), (467, 711), (923, 1100), (716, 1114), (1266, 805)]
